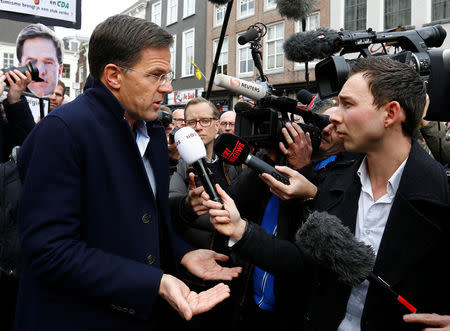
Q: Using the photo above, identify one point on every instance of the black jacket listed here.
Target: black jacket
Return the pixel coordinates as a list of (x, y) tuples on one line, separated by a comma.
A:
[(413, 247), (15, 127)]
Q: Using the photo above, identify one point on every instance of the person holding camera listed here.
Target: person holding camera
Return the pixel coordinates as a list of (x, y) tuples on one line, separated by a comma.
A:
[(384, 198), (18, 120), (14, 128)]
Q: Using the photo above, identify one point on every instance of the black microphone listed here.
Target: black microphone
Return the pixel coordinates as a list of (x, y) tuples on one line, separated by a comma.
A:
[(242, 106), (311, 45), (332, 245), (249, 35), (193, 152), (235, 150), (296, 9), (305, 97)]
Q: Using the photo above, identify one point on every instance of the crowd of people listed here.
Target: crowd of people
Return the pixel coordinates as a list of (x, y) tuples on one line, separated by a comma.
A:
[(117, 232)]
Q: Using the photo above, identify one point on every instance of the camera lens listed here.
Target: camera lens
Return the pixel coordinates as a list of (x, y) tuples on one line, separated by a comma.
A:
[(30, 67)]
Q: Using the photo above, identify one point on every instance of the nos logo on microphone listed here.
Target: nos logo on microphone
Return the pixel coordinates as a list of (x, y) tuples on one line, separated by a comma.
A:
[(189, 136)]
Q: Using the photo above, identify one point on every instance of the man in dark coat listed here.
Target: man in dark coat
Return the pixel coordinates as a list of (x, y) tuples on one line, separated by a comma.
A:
[(14, 128), (395, 199), (98, 249)]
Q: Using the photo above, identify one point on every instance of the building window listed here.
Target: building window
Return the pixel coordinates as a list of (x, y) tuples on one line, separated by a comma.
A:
[(74, 46), (219, 14), (8, 60), (312, 23), (173, 54), (66, 71), (188, 8), (156, 13), (245, 60), (188, 53), (397, 13), (172, 11), (222, 65), (270, 4), (246, 8), (274, 46), (67, 91), (440, 9), (355, 15)]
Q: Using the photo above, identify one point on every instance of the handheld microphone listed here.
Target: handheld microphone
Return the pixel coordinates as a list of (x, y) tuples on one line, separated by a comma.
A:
[(240, 86), (332, 245), (296, 9), (249, 35), (193, 152), (311, 45), (235, 150)]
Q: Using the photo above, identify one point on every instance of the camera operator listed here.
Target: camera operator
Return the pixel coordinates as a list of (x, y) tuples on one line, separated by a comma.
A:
[(19, 120), (385, 199), (14, 128), (433, 135)]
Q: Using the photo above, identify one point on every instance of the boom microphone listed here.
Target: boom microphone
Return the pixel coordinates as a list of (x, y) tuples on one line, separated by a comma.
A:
[(296, 9), (240, 86), (311, 45), (235, 150), (332, 245), (249, 35), (193, 152)]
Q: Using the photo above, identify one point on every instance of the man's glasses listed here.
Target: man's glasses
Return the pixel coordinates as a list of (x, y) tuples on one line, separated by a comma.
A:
[(163, 79), (178, 121), (225, 124), (205, 122)]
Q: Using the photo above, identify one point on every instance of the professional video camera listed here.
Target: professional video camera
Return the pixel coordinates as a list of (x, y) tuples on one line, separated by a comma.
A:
[(261, 125), (432, 65)]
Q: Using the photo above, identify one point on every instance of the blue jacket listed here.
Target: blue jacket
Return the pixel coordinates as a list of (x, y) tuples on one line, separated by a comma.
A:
[(92, 233)]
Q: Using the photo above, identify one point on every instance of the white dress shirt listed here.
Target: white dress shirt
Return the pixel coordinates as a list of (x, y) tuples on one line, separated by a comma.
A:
[(142, 141), (370, 224)]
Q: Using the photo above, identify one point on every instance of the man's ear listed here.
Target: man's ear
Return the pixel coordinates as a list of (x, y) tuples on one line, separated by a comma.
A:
[(394, 114), (112, 76)]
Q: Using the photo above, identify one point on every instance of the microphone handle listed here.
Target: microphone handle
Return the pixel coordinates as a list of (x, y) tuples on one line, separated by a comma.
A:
[(204, 173), (398, 297), (262, 167)]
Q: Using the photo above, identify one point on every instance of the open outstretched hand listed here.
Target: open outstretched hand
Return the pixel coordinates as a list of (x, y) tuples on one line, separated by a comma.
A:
[(189, 303), (203, 264)]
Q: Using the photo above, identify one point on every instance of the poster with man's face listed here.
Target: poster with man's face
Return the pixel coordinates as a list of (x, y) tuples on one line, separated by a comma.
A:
[(38, 42)]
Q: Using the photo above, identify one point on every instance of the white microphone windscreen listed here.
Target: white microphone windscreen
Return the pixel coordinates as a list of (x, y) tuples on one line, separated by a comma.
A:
[(240, 86), (189, 145)]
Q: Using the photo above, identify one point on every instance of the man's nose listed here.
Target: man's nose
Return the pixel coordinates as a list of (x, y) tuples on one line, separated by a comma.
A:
[(41, 67)]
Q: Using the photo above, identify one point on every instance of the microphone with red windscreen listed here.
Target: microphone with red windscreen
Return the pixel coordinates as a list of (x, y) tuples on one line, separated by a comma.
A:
[(235, 150)]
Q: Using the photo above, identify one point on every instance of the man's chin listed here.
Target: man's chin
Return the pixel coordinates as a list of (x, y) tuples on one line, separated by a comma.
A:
[(39, 91)]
